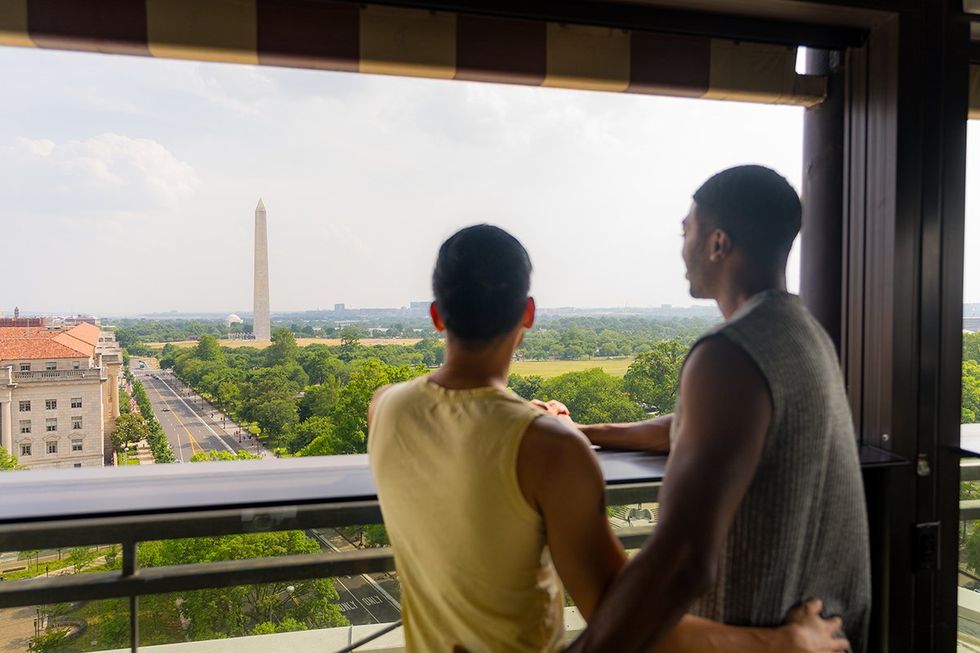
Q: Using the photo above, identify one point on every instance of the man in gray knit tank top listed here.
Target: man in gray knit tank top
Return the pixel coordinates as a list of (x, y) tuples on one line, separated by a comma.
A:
[(762, 505)]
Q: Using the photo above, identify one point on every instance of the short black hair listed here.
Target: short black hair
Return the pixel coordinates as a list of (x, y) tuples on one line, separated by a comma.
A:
[(758, 209), (481, 283)]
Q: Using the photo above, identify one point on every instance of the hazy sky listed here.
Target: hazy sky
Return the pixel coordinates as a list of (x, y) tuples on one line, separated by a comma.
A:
[(129, 184)]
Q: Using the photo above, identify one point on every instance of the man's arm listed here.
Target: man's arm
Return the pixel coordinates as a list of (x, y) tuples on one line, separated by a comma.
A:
[(560, 476), (649, 435), (726, 412)]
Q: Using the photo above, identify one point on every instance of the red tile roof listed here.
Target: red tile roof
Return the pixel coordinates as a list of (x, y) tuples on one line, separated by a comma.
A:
[(86, 332), (30, 343), (34, 348)]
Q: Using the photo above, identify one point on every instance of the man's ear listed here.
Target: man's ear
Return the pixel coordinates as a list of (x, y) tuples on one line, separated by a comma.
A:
[(529, 313), (436, 318), (720, 245)]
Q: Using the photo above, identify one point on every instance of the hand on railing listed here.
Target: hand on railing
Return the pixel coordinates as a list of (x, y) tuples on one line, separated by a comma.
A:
[(554, 408)]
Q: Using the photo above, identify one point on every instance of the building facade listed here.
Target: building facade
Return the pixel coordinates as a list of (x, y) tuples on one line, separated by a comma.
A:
[(57, 395)]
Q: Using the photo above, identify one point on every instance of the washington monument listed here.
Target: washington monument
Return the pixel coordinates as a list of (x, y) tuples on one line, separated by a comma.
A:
[(261, 327)]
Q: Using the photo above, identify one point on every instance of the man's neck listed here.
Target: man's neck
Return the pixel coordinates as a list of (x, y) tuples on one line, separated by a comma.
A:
[(733, 295), (466, 368)]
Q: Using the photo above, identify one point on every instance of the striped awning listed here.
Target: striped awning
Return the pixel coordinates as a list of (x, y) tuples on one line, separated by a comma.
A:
[(975, 92), (399, 41)]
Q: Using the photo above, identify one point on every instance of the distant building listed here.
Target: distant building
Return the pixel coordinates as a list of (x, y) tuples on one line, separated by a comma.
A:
[(58, 394), (233, 319), (340, 308), (419, 306), (21, 322), (971, 323)]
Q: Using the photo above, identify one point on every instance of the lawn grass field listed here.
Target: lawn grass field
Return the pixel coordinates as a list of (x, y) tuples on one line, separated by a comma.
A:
[(302, 342), (548, 369)]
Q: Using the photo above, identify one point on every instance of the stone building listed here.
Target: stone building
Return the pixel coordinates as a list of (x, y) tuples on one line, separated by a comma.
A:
[(58, 394)]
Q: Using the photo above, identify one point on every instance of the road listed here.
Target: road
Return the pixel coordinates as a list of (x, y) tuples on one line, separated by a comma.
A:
[(365, 598), (188, 428)]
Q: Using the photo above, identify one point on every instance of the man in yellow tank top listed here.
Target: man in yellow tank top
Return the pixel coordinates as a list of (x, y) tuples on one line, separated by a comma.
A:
[(489, 502)]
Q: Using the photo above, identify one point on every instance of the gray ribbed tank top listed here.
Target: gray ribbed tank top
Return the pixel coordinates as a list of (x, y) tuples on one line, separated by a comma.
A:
[(801, 530)]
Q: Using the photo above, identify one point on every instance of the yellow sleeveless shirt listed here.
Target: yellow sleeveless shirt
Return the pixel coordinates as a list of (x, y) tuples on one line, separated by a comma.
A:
[(470, 551)]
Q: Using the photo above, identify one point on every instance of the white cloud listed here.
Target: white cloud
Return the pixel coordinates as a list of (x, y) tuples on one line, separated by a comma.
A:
[(41, 147), (105, 172)]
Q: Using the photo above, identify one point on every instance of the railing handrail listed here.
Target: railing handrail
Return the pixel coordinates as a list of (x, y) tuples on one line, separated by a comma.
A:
[(631, 477)]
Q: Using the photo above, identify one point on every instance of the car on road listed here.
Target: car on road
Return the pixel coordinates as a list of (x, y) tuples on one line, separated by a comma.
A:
[(165, 409)]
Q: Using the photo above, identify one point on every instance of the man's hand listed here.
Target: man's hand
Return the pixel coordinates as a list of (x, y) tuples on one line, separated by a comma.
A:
[(553, 407), (807, 632)]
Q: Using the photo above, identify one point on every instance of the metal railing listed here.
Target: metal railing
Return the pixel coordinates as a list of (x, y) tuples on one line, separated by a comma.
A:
[(92, 373), (127, 506)]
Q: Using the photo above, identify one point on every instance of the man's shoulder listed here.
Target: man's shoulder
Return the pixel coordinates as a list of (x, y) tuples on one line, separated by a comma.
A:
[(389, 394), (549, 444)]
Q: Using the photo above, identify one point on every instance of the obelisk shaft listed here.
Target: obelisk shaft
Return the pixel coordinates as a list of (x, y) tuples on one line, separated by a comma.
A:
[(262, 327)]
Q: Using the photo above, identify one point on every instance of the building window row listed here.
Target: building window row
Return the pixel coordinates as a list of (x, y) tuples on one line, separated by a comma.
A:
[(24, 406), (51, 447), (76, 402), (76, 422), (25, 367), (50, 365), (51, 424), (50, 404)]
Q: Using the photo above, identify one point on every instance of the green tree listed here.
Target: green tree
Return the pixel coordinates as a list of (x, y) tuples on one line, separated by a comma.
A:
[(350, 415), (528, 387), (217, 456), (283, 350), (124, 401), (208, 349), (130, 428), (50, 641), (315, 428), (971, 392), (321, 364), (275, 417), (7, 461), (971, 346), (593, 397), (350, 341), (319, 400), (80, 557), (652, 379), (375, 535), (241, 610)]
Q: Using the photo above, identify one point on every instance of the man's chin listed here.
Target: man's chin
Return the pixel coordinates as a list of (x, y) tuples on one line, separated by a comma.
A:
[(696, 293)]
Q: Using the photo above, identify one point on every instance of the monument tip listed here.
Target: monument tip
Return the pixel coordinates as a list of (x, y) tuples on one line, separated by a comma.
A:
[(260, 206)]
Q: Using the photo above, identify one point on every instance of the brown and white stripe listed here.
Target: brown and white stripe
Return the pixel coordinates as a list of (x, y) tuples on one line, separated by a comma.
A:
[(398, 41), (975, 92)]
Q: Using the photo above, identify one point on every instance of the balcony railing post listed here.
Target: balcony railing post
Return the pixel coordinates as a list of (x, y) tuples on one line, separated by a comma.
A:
[(128, 570)]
